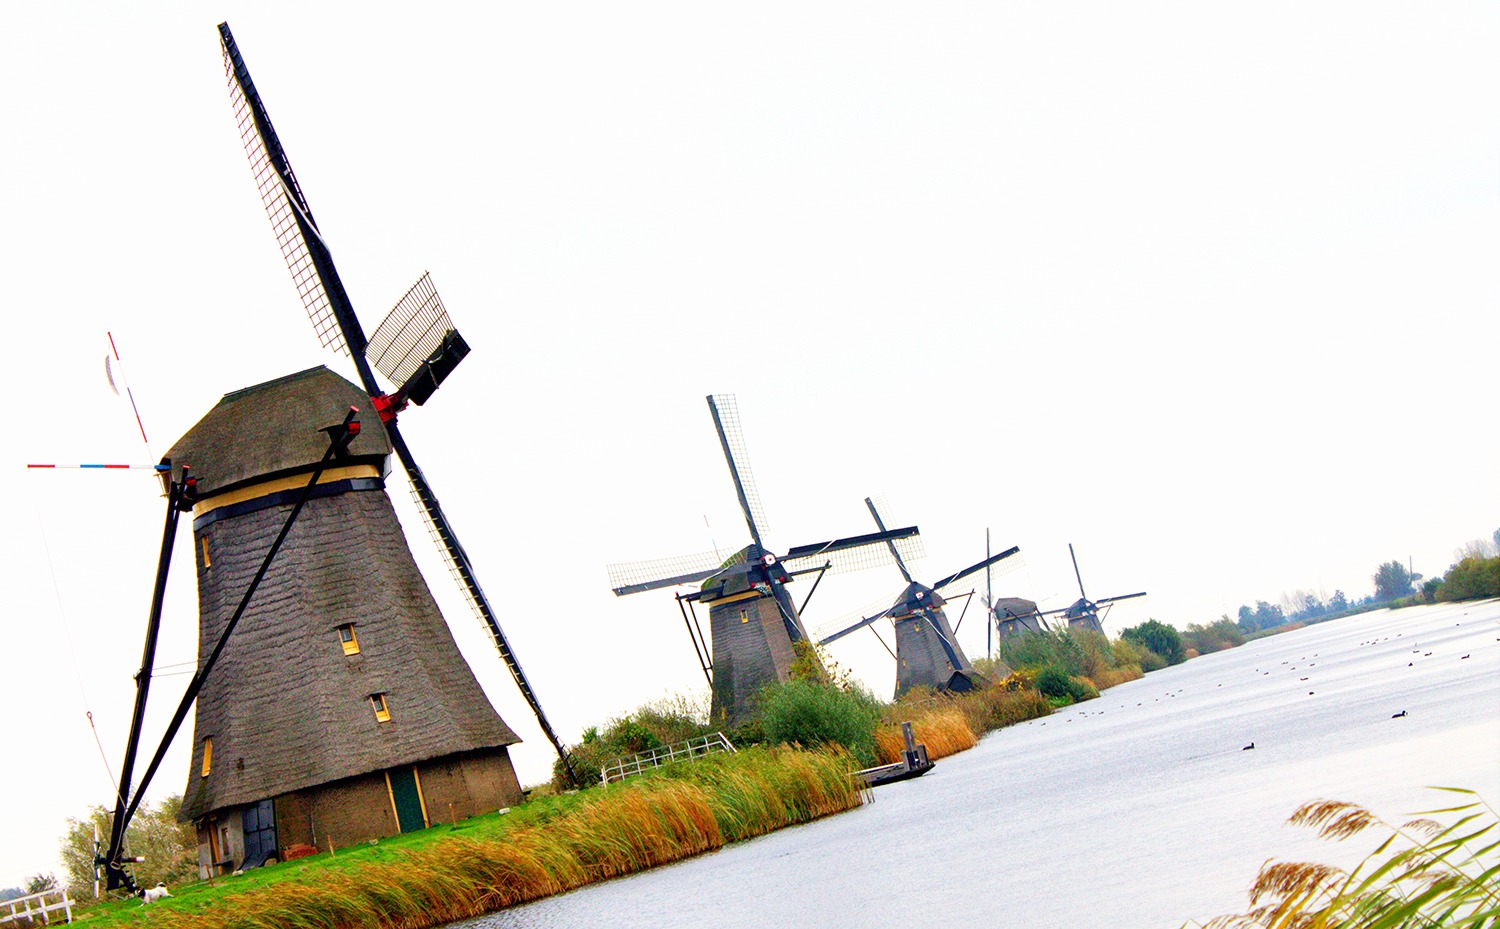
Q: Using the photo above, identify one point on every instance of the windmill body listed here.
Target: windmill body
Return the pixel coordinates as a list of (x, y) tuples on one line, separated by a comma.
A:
[(927, 650), (754, 626), (1015, 616), (1084, 613), (341, 709)]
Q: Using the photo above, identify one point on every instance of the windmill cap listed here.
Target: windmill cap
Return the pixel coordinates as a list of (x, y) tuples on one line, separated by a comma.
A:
[(275, 430)]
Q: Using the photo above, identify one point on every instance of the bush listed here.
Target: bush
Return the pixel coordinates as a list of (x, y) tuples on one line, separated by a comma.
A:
[(811, 713), (1055, 681), (654, 725), (1215, 637), (1473, 578), (1158, 637)]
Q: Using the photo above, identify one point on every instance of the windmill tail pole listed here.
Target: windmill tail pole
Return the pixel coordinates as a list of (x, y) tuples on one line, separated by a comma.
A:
[(460, 560), (339, 438), (143, 679)]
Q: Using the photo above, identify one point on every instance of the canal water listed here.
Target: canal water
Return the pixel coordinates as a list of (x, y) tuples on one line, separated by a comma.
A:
[(1139, 810)]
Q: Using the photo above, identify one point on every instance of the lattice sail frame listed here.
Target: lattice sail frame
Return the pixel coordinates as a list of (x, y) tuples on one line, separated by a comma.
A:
[(860, 557), (638, 576), (734, 437), (878, 607), (282, 197), (410, 332)]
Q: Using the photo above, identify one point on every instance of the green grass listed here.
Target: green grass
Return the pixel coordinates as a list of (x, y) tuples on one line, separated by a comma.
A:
[(544, 847)]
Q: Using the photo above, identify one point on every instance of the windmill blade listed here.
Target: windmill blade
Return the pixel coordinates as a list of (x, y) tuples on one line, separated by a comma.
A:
[(416, 345), (880, 524), (637, 576), (1125, 597), (333, 318), (726, 414), (285, 205), (856, 627), (1073, 555), (856, 553), (976, 568)]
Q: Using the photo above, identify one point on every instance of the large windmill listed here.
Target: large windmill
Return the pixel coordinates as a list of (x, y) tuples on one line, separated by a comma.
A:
[(1083, 613), (340, 709), (927, 651), (753, 623), (415, 347)]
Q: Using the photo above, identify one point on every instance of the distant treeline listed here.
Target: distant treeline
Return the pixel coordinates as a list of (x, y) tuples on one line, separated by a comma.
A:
[(1474, 575)]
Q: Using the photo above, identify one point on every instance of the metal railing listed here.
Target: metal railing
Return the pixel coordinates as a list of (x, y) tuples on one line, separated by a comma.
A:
[(34, 907), (641, 762)]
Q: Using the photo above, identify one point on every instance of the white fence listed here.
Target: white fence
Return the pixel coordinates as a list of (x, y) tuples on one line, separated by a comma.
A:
[(641, 762), (36, 909)]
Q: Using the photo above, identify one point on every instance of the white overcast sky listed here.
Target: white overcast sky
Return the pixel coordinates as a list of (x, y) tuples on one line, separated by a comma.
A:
[(1208, 290)]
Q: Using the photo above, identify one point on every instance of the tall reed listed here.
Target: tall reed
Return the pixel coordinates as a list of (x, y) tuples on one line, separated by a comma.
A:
[(682, 811), (942, 728), (1425, 873)]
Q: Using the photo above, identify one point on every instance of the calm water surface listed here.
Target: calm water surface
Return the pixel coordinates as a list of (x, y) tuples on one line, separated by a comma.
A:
[(1138, 809)]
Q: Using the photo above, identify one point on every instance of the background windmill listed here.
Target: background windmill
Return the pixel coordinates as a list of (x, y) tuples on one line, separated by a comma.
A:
[(1083, 612), (927, 651), (415, 346), (753, 623)]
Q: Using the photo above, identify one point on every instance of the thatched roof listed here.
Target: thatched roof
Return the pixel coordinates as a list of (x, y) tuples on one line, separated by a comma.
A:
[(271, 430)]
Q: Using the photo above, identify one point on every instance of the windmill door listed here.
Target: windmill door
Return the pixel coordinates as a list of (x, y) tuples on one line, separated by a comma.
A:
[(259, 821), (406, 798)]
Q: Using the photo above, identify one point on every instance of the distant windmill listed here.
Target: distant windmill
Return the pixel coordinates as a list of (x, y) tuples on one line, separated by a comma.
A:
[(1083, 612), (753, 622), (927, 652), (415, 346)]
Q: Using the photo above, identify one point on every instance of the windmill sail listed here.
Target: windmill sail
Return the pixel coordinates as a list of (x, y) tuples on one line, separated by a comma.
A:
[(281, 195), (726, 415), (333, 319)]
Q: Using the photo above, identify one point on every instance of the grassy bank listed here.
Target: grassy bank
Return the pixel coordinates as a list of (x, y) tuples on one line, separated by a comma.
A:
[(545, 847)]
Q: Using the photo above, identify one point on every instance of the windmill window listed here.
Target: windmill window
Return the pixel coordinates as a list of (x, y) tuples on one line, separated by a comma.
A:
[(348, 639), (382, 711), (207, 561), (208, 755), (744, 616)]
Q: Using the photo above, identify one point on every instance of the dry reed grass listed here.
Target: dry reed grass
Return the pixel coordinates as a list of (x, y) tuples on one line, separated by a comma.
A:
[(1106, 678), (942, 728), (1425, 874), (687, 810)]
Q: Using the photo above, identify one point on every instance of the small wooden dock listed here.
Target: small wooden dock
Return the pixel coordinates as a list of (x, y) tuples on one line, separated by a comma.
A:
[(914, 763)]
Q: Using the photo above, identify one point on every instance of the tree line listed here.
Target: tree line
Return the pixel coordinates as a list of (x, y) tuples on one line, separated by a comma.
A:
[(1474, 575)]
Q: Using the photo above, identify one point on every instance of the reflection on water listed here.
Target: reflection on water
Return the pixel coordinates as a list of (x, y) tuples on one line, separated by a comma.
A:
[(1139, 809)]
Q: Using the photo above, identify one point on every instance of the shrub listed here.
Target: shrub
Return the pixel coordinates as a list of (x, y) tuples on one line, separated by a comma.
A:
[(1215, 637), (1158, 637), (811, 713), (662, 722), (1054, 681), (1473, 578)]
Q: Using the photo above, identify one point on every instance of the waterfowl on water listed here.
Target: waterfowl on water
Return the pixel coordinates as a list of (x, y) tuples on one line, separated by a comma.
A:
[(1248, 747), (1398, 715)]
